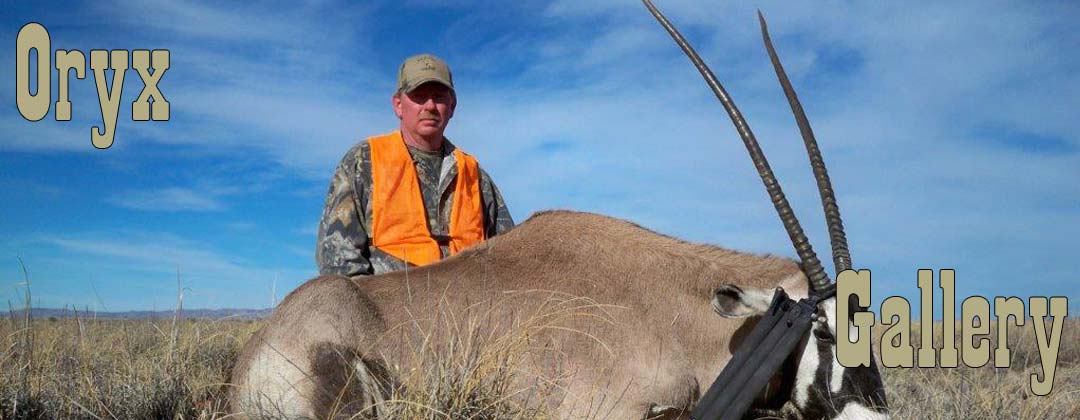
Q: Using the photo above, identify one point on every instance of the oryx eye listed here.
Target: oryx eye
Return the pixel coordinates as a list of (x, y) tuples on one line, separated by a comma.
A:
[(823, 335)]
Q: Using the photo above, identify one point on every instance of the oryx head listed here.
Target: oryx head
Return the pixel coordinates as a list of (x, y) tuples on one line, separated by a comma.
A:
[(813, 384)]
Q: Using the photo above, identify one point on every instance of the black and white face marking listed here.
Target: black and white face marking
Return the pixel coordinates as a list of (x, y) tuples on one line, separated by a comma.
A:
[(826, 389), (822, 387)]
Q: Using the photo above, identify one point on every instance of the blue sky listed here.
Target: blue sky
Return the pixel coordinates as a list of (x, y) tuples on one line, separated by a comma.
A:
[(950, 132)]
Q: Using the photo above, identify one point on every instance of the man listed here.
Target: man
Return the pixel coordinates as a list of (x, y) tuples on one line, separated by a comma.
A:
[(409, 197)]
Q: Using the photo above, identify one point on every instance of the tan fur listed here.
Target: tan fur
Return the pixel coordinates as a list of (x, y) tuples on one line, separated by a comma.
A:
[(646, 335)]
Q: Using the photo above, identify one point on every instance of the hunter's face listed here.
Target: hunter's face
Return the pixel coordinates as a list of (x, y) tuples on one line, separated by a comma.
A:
[(426, 110)]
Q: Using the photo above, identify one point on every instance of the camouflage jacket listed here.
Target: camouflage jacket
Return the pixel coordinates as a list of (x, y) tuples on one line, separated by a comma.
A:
[(343, 246)]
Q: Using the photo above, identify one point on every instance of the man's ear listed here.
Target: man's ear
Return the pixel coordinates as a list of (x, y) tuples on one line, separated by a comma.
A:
[(731, 301), (395, 101)]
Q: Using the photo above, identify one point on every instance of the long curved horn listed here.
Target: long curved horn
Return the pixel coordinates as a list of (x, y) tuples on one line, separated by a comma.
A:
[(819, 280), (841, 255)]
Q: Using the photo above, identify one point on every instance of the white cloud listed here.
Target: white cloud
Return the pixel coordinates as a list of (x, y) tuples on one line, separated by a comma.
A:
[(133, 269), (166, 199), (42, 136)]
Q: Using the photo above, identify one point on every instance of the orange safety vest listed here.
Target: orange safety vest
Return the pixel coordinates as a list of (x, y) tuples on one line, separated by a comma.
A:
[(398, 220)]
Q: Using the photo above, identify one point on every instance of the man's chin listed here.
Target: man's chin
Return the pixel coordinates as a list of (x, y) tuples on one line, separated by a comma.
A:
[(429, 131)]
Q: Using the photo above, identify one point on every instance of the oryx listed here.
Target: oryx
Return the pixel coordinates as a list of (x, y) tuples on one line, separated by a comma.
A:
[(628, 318)]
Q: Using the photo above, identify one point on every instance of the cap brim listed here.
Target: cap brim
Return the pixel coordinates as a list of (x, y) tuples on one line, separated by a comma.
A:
[(421, 81)]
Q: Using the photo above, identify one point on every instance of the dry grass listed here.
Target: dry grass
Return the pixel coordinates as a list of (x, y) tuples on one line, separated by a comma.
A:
[(113, 369), (158, 369), (987, 392), (471, 363)]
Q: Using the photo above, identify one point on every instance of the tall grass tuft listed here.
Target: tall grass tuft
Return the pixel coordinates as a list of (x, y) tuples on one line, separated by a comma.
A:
[(473, 365)]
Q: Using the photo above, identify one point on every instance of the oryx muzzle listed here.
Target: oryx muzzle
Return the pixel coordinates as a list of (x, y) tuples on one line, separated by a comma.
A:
[(769, 344)]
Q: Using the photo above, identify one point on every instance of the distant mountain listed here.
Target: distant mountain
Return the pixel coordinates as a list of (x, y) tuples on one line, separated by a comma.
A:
[(230, 313)]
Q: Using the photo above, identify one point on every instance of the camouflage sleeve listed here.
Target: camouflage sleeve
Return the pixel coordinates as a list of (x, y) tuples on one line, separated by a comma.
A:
[(497, 218), (342, 243)]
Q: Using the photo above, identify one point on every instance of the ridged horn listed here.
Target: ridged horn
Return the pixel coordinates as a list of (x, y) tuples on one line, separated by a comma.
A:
[(837, 238), (818, 279)]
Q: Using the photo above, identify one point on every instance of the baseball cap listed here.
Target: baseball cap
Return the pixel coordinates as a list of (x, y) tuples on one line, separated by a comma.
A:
[(423, 68)]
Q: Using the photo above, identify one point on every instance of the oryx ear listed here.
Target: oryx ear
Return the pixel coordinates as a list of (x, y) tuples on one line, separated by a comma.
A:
[(731, 301)]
